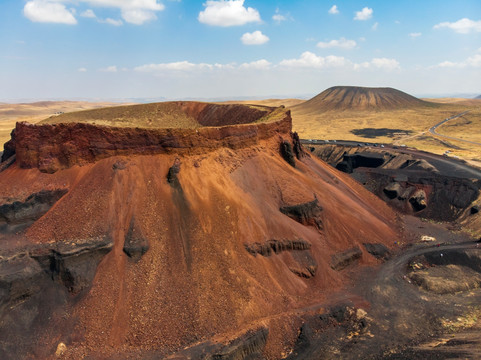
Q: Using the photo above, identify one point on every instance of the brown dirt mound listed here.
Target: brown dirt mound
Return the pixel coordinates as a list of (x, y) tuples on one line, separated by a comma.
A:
[(360, 98)]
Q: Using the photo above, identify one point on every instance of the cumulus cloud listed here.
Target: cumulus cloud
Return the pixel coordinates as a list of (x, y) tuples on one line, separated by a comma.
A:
[(415, 35), (256, 65), (138, 16), (333, 10), (463, 26), (472, 61), (227, 13), (88, 14), (386, 64), (341, 43), (310, 60), (135, 12), (111, 21), (45, 11), (111, 69), (364, 14), (82, 69), (254, 38)]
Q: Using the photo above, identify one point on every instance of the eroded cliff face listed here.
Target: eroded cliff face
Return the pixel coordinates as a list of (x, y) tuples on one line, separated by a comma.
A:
[(51, 147), (200, 238)]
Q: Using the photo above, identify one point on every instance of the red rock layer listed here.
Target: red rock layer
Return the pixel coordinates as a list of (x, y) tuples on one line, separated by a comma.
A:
[(60, 146)]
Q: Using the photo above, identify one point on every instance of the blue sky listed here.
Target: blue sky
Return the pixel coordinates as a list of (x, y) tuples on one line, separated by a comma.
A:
[(110, 49)]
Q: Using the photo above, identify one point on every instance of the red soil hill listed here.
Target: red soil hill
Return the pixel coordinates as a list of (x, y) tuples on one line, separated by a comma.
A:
[(203, 236)]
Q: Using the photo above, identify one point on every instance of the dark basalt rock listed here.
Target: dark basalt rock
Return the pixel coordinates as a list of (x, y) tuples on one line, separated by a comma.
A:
[(119, 165), (418, 200), (135, 245), (276, 246), (73, 264), (9, 147), (172, 175), (18, 215), (248, 346), (342, 260), (298, 149), (393, 190), (353, 161), (287, 153), (308, 213), (19, 278), (378, 250)]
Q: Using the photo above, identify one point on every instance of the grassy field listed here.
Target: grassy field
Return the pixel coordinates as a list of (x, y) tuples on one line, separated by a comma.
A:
[(400, 127)]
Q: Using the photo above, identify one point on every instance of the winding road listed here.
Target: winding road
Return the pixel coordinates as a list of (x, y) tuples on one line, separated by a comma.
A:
[(432, 130)]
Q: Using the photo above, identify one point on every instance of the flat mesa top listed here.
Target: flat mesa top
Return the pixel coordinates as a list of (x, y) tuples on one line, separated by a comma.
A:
[(175, 114)]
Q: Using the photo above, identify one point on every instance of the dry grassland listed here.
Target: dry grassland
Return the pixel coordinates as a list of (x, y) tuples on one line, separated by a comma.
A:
[(10, 114)]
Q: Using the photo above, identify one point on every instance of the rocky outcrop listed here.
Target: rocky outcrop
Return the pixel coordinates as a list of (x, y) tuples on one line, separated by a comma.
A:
[(308, 213), (447, 279), (9, 147), (73, 263), (59, 146), (343, 259), (377, 250), (353, 161), (18, 215), (249, 345), (287, 154), (135, 244), (418, 200), (174, 170), (276, 246)]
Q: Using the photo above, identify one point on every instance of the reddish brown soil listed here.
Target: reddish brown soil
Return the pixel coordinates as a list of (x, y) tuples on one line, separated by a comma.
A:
[(197, 280)]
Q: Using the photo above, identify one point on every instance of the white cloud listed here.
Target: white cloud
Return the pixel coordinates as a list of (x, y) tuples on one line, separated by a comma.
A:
[(341, 43), (472, 61), (333, 10), (138, 16), (111, 69), (256, 65), (364, 14), (374, 26), (310, 60), (88, 14), (111, 21), (386, 64), (136, 12), (415, 35), (463, 26), (82, 69), (278, 17), (254, 38), (173, 66), (45, 11), (449, 64), (227, 13)]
